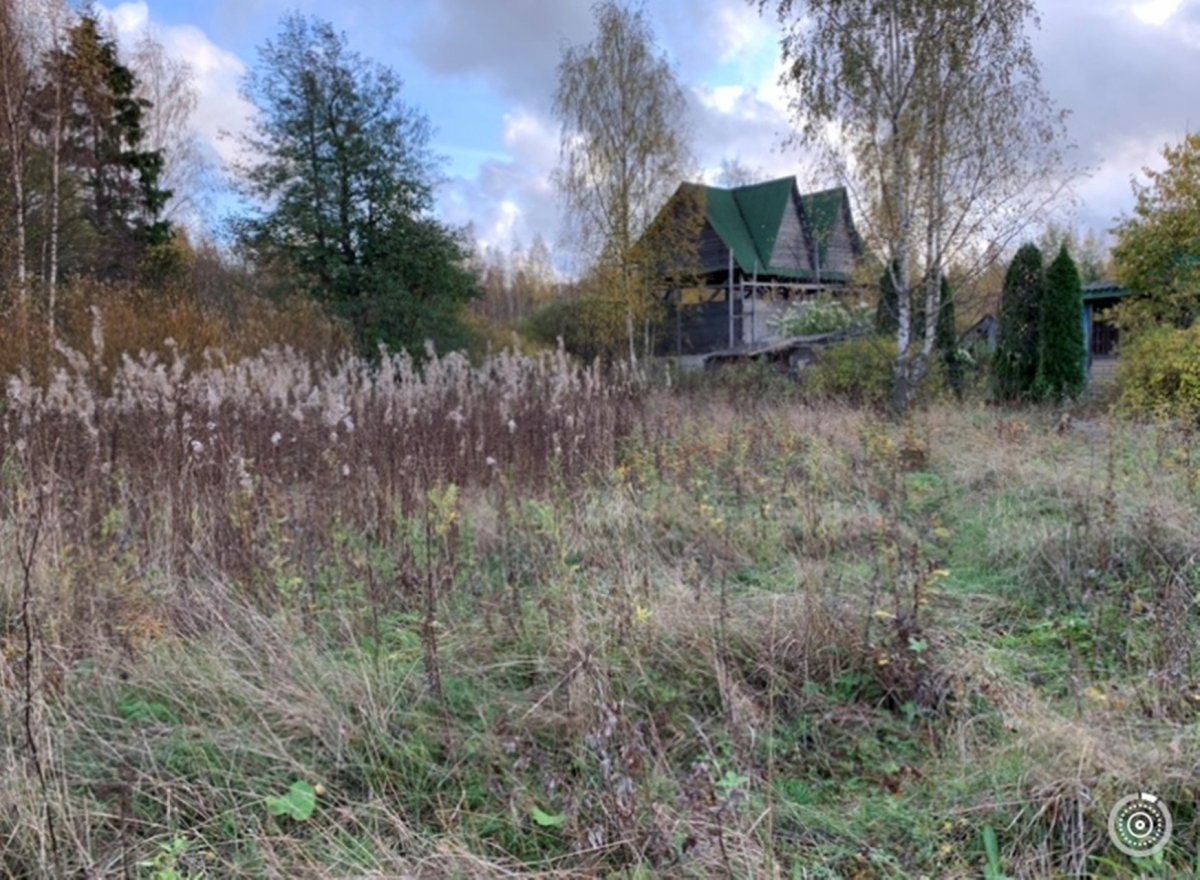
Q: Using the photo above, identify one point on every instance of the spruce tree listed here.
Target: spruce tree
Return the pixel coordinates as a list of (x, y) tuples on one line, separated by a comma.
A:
[(887, 312), (344, 180), (120, 205), (1061, 370), (946, 340), (1017, 352)]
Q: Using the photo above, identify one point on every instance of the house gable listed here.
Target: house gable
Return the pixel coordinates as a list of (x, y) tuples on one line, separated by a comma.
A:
[(770, 230), (763, 206), (836, 244), (793, 249)]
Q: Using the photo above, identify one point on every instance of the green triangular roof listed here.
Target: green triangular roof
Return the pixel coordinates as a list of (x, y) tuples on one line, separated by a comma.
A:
[(762, 206), (724, 214), (748, 220)]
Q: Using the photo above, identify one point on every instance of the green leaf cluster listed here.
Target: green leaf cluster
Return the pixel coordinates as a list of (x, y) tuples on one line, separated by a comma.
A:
[(1157, 251), (1159, 374), (298, 804)]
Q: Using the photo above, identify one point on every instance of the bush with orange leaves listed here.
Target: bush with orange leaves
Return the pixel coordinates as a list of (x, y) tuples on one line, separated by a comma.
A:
[(106, 321)]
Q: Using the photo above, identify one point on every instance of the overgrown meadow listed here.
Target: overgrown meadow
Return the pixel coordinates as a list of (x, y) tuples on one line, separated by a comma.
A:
[(268, 619)]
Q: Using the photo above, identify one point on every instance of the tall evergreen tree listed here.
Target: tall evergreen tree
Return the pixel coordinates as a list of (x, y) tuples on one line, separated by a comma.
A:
[(344, 178), (1017, 352), (1061, 365), (946, 341), (887, 319), (102, 145)]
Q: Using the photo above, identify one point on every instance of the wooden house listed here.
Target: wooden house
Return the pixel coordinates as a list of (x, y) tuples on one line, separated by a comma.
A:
[(753, 249)]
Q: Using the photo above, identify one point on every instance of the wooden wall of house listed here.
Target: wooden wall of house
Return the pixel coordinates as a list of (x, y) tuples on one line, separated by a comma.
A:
[(698, 329), (791, 248), (839, 251), (714, 255)]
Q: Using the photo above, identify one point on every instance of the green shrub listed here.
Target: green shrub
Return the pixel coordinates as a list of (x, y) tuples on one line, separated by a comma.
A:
[(1159, 374), (1061, 360), (1016, 360), (823, 315), (858, 371), (583, 323)]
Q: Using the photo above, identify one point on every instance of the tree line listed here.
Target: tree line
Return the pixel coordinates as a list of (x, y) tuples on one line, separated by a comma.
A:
[(338, 178), (84, 151), (946, 139)]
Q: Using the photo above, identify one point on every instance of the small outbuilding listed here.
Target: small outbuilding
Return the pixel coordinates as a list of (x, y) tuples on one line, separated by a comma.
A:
[(1101, 335)]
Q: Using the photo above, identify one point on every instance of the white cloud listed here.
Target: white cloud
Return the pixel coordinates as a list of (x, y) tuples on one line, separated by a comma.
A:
[(723, 99), (1156, 12), (217, 71), (513, 199), (738, 31)]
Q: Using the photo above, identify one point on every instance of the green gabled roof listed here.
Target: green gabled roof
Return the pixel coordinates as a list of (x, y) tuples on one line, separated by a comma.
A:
[(723, 212), (823, 210), (762, 206), (748, 220)]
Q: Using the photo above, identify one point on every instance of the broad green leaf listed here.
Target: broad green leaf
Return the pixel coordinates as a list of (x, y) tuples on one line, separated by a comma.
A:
[(297, 804), (547, 820)]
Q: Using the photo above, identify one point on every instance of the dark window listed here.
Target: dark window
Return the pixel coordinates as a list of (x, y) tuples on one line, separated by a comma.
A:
[(1104, 336)]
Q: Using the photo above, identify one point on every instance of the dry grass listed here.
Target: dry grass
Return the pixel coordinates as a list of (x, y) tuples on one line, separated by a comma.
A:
[(530, 619)]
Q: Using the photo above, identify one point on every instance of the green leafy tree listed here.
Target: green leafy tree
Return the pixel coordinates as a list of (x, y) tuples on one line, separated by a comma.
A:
[(1157, 252), (1061, 362), (1017, 351), (942, 129), (344, 177)]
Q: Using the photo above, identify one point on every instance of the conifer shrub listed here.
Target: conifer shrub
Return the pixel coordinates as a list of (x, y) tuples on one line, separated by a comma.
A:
[(1061, 370), (1015, 366), (887, 310), (953, 360)]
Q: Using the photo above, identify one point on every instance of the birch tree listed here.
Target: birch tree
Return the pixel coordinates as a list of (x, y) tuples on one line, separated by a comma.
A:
[(933, 114), (17, 86), (167, 85), (623, 150)]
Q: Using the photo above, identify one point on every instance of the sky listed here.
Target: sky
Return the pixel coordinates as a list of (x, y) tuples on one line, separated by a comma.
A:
[(483, 71)]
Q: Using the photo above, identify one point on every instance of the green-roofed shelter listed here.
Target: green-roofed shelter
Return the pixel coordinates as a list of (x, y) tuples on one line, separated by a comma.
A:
[(1101, 335)]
